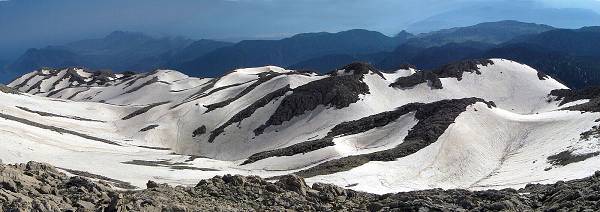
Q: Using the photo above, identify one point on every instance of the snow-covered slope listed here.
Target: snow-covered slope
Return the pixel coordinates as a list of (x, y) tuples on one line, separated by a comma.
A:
[(473, 124)]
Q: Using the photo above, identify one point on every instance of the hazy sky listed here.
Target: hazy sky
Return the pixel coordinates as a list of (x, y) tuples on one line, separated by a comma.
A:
[(37, 23)]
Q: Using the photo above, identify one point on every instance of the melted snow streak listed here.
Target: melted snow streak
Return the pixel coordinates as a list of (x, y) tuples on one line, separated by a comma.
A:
[(143, 110), (295, 149), (263, 77), (149, 127), (23, 83), (434, 118), (55, 129), (76, 93), (200, 93), (54, 92), (50, 82), (248, 111), (149, 82), (57, 115)]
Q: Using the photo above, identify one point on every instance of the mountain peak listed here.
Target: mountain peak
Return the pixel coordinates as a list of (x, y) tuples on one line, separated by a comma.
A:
[(488, 32), (125, 35), (404, 35), (515, 24), (590, 29), (353, 32), (359, 68)]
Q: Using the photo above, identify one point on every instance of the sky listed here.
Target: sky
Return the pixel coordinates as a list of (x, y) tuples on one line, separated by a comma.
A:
[(38, 23)]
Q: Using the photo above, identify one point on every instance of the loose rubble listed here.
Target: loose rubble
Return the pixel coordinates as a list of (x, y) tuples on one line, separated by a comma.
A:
[(40, 187)]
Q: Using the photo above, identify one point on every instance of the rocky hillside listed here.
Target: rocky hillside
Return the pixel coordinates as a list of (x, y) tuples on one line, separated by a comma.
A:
[(40, 187), (476, 124)]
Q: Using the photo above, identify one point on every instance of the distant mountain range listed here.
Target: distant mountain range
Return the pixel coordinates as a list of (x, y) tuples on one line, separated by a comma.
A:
[(489, 11), (196, 49), (489, 32), (124, 51), (429, 50), (289, 51), (119, 50), (569, 55)]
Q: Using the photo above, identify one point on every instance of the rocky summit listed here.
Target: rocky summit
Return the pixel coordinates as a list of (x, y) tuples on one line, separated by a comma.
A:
[(37, 186)]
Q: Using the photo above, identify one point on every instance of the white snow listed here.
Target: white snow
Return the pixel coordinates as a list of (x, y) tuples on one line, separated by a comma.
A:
[(500, 147)]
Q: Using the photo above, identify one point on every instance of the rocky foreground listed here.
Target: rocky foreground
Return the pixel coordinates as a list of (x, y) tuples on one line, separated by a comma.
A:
[(41, 187)]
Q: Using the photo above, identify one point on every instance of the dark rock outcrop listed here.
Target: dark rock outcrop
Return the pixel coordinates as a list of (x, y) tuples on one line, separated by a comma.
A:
[(359, 68), (335, 91), (143, 110), (248, 111), (456, 70), (151, 184), (452, 70), (542, 76), (262, 78), (95, 78), (592, 106), (417, 78), (300, 148), (199, 131), (345, 128), (434, 118), (9, 90), (371, 122), (568, 95), (592, 133), (567, 157), (149, 127)]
